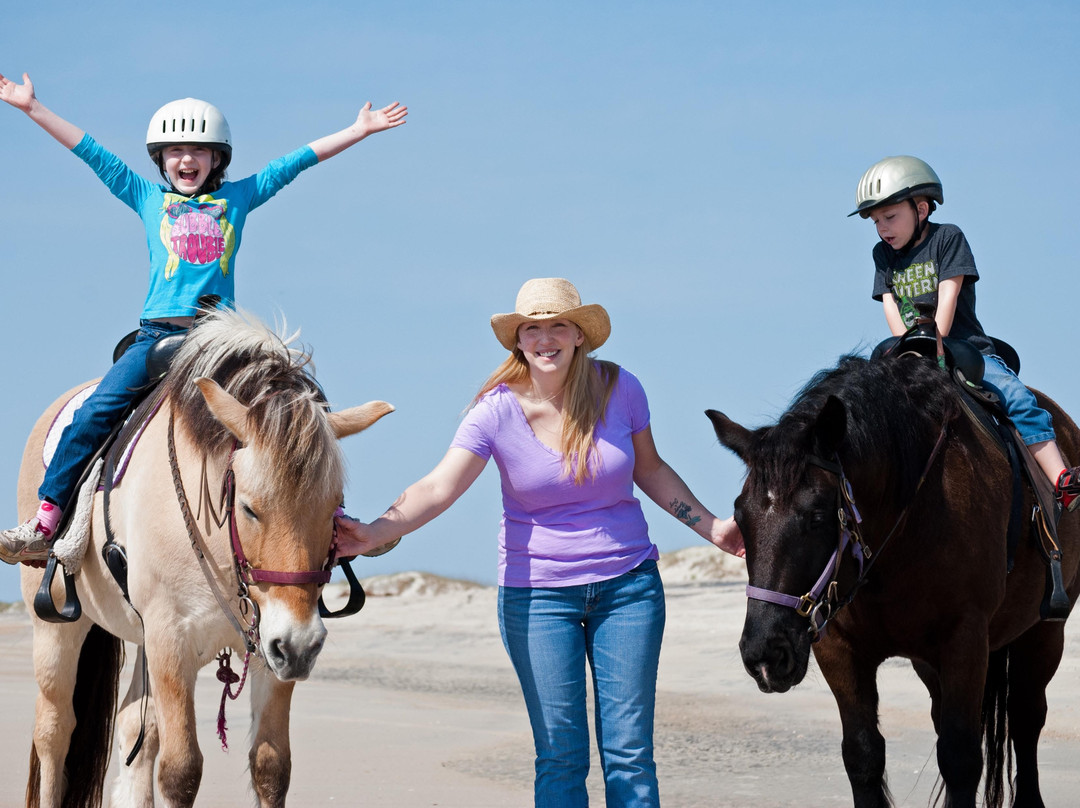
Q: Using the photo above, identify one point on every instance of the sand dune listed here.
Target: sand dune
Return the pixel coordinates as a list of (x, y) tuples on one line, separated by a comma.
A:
[(414, 703)]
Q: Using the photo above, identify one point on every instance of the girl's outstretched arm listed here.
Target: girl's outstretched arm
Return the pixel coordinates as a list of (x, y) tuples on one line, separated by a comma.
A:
[(21, 96), (368, 122)]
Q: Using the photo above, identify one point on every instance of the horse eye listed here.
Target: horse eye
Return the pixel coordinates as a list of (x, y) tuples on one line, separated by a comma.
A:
[(249, 513), (818, 519)]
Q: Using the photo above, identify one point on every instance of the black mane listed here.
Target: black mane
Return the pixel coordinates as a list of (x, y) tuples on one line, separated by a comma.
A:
[(895, 408)]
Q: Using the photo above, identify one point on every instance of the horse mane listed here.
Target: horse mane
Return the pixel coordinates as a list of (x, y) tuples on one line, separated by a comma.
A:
[(261, 369), (895, 408)]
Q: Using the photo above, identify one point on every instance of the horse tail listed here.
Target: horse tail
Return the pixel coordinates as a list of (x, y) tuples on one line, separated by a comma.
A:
[(96, 686), (33, 783), (996, 730)]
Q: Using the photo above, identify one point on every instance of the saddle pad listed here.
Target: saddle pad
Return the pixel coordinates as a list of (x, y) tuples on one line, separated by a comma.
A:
[(61, 421), (67, 415)]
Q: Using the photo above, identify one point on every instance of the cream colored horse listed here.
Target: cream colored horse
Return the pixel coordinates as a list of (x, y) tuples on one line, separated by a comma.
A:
[(282, 446)]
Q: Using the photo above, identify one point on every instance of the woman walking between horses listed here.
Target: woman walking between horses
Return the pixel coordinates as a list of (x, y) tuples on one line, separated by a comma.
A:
[(920, 261), (578, 580), (193, 229)]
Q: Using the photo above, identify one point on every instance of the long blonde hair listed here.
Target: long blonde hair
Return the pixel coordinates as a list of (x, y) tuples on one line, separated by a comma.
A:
[(588, 390)]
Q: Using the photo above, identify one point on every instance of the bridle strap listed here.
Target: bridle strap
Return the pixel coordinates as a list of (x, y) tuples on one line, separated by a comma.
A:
[(254, 575), (248, 633), (822, 596)]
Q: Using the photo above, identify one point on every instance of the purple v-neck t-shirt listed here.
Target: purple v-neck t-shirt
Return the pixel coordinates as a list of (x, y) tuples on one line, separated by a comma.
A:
[(555, 533)]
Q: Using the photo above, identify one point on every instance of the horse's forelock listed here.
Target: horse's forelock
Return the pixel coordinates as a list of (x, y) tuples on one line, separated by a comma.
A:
[(261, 369), (306, 449)]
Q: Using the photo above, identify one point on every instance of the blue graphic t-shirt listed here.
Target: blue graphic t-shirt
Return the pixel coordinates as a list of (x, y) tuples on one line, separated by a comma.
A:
[(192, 240), (914, 278)]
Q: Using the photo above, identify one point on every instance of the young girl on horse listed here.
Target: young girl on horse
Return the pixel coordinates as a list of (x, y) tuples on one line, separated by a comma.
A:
[(919, 261), (193, 228)]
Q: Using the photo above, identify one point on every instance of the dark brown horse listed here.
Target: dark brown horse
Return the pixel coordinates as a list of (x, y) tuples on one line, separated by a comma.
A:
[(923, 576)]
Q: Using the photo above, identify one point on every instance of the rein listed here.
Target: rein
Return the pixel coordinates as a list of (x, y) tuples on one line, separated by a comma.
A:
[(245, 618), (822, 602)]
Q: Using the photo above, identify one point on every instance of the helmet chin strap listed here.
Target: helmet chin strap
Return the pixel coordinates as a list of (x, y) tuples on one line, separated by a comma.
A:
[(920, 226)]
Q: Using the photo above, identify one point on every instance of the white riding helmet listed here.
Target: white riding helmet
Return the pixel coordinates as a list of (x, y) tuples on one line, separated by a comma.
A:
[(189, 120), (895, 179)]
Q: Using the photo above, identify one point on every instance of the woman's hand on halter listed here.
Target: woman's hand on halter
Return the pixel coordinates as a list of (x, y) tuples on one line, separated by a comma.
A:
[(353, 537), (727, 536)]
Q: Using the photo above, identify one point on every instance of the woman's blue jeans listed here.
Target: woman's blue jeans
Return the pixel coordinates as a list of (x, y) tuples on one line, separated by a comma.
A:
[(617, 625), (101, 411)]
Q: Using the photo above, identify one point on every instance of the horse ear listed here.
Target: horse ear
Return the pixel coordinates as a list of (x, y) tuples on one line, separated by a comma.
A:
[(831, 425), (224, 407), (735, 437), (357, 419)]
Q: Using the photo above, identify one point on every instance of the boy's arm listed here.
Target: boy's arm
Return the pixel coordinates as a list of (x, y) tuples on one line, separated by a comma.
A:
[(948, 292), (21, 96), (368, 122), (892, 315)]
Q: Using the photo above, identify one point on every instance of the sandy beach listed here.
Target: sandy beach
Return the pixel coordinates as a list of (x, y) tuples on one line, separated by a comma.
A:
[(414, 703)]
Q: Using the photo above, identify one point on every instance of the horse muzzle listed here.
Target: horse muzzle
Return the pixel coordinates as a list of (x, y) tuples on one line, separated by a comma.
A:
[(775, 647), (290, 648)]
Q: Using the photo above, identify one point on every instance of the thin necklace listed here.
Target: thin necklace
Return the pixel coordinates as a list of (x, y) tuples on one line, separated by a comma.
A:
[(533, 400)]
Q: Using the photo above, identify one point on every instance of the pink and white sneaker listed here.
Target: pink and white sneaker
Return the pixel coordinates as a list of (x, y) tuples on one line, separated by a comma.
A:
[(25, 543)]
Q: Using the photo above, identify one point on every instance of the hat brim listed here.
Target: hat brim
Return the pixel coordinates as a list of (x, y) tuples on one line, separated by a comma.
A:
[(592, 319)]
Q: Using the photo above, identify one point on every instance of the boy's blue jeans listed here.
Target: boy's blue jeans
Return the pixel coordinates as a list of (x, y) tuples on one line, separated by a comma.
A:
[(98, 414), (1032, 422), (617, 625)]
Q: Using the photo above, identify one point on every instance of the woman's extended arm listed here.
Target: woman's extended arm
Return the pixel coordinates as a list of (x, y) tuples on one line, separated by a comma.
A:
[(667, 489), (418, 504)]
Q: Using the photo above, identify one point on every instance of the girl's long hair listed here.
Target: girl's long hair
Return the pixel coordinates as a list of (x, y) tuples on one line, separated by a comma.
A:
[(588, 390)]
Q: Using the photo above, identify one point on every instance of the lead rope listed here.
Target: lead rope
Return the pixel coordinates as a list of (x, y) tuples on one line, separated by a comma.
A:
[(227, 676)]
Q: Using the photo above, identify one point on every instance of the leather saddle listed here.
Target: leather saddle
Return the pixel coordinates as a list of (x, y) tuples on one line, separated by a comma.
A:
[(965, 365)]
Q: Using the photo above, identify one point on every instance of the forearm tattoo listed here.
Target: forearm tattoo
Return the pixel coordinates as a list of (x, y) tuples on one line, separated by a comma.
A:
[(682, 512)]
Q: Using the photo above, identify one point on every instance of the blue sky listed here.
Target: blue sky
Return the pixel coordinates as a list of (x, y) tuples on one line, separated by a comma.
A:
[(688, 165)]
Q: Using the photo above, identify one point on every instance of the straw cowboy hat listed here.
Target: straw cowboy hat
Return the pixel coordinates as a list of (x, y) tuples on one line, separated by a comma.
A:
[(549, 299)]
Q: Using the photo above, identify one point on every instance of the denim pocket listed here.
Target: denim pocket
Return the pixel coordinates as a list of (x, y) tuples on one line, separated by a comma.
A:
[(644, 568)]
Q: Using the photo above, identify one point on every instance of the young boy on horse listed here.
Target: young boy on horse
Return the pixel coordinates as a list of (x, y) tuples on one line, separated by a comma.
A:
[(193, 228), (918, 261)]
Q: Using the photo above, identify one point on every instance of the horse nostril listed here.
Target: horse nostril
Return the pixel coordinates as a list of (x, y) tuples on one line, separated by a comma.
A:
[(782, 659), (277, 651)]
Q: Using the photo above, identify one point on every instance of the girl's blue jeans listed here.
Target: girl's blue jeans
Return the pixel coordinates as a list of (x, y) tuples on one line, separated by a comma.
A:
[(102, 410), (1031, 421), (617, 626)]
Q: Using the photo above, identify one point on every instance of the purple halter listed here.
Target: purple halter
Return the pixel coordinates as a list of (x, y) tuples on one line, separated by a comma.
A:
[(822, 602)]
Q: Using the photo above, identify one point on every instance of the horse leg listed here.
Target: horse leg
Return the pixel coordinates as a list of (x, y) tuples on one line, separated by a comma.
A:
[(134, 785), (56, 655), (172, 682), (853, 682), (1033, 660), (962, 677), (270, 755), (929, 678)]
